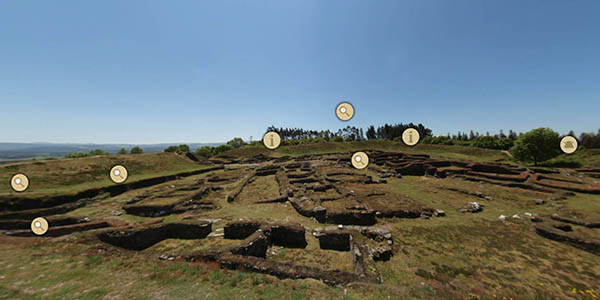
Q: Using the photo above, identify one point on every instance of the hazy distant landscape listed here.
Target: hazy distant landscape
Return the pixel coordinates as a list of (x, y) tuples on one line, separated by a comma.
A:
[(18, 151)]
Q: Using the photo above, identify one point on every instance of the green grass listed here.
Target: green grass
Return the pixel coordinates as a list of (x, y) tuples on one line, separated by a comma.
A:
[(460, 256), (438, 151), (66, 176), (581, 158)]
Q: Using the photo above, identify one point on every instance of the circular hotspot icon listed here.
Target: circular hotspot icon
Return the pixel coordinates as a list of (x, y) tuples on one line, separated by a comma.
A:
[(271, 140), (19, 182), (568, 144), (344, 111), (360, 160), (118, 174), (410, 137), (39, 226)]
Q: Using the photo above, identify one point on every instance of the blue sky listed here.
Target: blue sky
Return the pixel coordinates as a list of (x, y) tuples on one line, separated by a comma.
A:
[(207, 71)]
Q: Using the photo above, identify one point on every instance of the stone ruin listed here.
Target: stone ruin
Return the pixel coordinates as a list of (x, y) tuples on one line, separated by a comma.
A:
[(323, 187)]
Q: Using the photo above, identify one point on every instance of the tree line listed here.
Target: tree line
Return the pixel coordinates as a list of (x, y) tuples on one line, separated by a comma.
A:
[(96, 152)]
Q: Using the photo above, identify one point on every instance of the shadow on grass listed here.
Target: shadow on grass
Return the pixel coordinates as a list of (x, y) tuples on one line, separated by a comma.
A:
[(561, 164)]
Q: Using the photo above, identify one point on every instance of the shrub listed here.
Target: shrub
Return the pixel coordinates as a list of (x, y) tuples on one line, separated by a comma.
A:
[(205, 151), (76, 155), (236, 142), (171, 149), (98, 152), (183, 148), (222, 148), (136, 150)]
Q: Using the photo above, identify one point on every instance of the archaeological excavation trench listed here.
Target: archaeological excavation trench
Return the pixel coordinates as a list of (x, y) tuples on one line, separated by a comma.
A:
[(349, 207)]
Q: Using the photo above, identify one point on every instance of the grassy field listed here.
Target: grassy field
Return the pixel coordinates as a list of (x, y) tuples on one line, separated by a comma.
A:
[(460, 256), (581, 158), (70, 175), (438, 151)]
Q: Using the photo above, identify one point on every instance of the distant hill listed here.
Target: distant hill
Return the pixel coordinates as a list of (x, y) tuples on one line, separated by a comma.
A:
[(15, 151)]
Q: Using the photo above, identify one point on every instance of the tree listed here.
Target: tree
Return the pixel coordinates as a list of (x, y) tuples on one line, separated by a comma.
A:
[(371, 133), (172, 149), (183, 148), (590, 140), (136, 150), (222, 148), (122, 151), (536, 145), (205, 151), (236, 142), (98, 152)]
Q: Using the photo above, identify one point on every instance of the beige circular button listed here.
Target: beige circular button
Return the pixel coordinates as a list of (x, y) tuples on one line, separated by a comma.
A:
[(344, 111), (19, 182), (118, 174), (568, 144), (410, 136), (272, 140), (39, 226), (360, 160)]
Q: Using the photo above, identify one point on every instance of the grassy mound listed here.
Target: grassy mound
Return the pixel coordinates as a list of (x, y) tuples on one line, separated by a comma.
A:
[(75, 174)]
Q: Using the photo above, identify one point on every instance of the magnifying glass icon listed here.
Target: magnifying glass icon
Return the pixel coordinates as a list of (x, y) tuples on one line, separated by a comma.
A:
[(358, 160), (19, 182), (118, 173), (344, 111)]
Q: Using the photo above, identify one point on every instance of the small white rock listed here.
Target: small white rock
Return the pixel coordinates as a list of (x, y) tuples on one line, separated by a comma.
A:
[(502, 217), (516, 216), (528, 214)]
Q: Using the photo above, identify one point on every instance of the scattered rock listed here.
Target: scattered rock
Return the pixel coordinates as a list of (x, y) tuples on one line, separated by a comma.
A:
[(516, 216), (382, 253), (563, 227), (539, 201), (439, 213), (472, 207), (502, 217), (116, 212)]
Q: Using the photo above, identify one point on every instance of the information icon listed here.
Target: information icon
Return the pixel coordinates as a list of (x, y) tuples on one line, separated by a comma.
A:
[(39, 226), (410, 137), (360, 160), (344, 111), (118, 174), (568, 144), (271, 140), (19, 182)]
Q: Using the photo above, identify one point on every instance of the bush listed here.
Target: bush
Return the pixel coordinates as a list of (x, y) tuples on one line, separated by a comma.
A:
[(183, 148), (485, 142), (98, 152), (492, 142), (122, 151), (205, 151), (441, 140), (76, 155), (136, 150), (222, 148), (236, 142)]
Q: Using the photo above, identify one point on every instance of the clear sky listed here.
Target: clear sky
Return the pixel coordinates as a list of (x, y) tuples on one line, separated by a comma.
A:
[(207, 71)]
